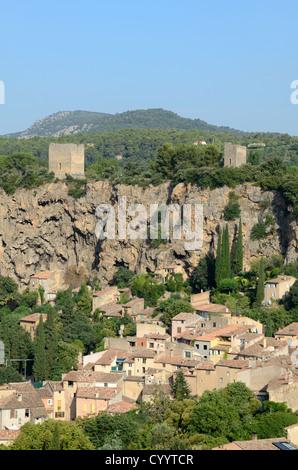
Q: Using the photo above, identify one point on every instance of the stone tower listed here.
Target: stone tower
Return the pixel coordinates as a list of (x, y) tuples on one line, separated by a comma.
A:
[(67, 159), (235, 155)]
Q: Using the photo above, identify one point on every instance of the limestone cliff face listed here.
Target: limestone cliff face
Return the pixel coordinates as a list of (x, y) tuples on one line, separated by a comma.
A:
[(45, 229)]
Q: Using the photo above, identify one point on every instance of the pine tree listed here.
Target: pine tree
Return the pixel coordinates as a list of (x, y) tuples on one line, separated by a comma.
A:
[(226, 255), (39, 366), (218, 262), (260, 294), (238, 257)]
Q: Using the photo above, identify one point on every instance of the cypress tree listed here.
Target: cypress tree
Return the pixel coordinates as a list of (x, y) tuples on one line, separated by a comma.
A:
[(218, 262), (226, 256), (260, 294), (67, 309), (51, 343), (39, 366), (238, 258), (180, 388), (55, 444), (269, 326)]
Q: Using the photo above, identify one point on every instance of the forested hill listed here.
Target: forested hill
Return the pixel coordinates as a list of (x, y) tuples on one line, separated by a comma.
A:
[(85, 122)]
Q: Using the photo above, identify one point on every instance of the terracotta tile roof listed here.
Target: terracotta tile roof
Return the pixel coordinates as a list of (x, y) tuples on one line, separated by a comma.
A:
[(233, 364), (24, 400), (282, 381), (230, 330), (84, 376), (8, 434), (110, 355), (21, 387), (122, 407), (146, 353), (176, 361), (260, 444), (43, 275), (211, 308), (98, 393), (184, 316), (133, 302), (159, 336), (290, 330), (258, 349), (107, 290), (55, 385), (280, 279), (205, 367), (34, 317)]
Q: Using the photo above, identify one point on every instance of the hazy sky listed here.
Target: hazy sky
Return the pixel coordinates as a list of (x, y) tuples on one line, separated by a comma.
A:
[(226, 62)]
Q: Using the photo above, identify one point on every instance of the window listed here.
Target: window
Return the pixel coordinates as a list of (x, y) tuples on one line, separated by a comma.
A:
[(42, 281), (85, 407), (179, 330), (205, 347), (207, 372), (221, 380), (12, 414), (151, 345), (92, 407), (144, 361), (187, 354), (214, 324), (27, 413), (106, 385)]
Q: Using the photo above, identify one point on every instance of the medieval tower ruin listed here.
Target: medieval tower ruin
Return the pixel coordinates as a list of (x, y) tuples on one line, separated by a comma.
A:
[(235, 155), (67, 159)]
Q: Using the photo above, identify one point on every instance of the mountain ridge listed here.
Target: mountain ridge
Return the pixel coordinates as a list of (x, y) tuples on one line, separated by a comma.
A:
[(90, 122)]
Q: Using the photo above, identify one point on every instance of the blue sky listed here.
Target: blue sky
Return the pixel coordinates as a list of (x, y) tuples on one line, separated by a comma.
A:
[(226, 62)]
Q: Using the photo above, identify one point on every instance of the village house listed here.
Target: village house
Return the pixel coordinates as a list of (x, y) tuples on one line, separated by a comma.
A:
[(30, 323), (82, 379), (138, 362), (133, 387), (19, 404), (278, 289), (53, 396), (92, 400), (166, 271), (181, 321), (134, 308), (109, 295), (264, 349), (288, 334), (111, 360), (48, 281), (215, 345)]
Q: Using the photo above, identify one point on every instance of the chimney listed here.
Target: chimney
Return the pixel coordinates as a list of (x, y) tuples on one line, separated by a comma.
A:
[(19, 397), (254, 436), (264, 343)]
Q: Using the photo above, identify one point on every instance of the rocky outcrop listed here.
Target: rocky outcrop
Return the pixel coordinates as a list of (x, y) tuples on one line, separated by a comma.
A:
[(45, 229)]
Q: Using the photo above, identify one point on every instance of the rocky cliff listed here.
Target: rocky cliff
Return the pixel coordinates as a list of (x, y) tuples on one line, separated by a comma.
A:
[(45, 229)]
